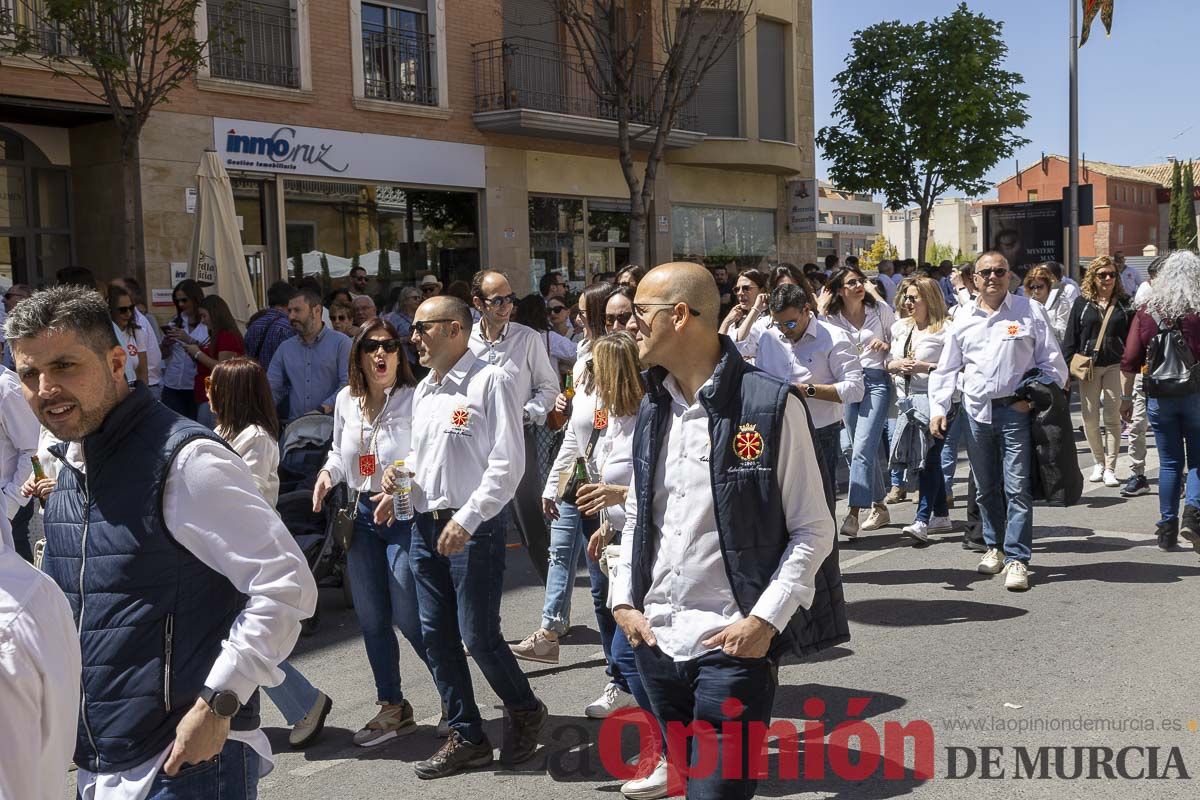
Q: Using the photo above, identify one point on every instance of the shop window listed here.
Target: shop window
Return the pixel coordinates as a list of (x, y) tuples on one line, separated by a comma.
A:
[(718, 235)]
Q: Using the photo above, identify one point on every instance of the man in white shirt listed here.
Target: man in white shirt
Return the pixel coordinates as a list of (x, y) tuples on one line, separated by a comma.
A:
[(182, 580), (39, 681), (522, 352), (819, 360), (19, 431), (996, 343), (732, 560), (1131, 279), (467, 459)]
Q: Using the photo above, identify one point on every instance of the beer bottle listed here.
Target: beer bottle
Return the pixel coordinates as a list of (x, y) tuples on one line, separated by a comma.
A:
[(38, 473), (569, 386)]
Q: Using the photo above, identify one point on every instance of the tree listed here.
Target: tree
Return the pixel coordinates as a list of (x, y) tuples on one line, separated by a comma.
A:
[(326, 278), (881, 249), (1187, 210), (924, 108), (1173, 211), (936, 253), (128, 54), (298, 267), (644, 63), (383, 273)]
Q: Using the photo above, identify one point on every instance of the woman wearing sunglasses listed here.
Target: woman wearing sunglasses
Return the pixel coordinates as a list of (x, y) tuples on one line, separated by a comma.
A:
[(372, 423), (121, 309), (618, 309), (1041, 285), (919, 340), (851, 304), (1096, 333)]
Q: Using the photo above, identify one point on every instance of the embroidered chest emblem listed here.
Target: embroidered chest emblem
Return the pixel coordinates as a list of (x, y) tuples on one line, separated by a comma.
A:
[(460, 417), (600, 419), (748, 444)]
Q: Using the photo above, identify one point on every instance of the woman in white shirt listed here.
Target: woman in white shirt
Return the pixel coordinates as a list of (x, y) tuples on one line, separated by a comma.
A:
[(179, 370), (372, 425), (1041, 286), (850, 303), (240, 400), (918, 339)]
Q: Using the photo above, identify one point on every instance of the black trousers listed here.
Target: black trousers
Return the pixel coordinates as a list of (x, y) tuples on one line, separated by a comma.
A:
[(527, 509)]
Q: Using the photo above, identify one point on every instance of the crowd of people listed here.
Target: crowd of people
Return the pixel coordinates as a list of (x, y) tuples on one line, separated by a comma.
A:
[(145, 463)]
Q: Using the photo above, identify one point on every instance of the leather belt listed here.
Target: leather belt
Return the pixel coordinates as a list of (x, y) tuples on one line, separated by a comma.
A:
[(443, 514)]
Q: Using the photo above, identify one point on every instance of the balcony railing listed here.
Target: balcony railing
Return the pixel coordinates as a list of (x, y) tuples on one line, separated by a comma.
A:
[(253, 43), (399, 66), (520, 73), (30, 15)]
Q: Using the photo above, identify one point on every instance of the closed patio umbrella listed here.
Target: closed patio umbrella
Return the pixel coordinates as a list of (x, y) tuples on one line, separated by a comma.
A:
[(217, 261)]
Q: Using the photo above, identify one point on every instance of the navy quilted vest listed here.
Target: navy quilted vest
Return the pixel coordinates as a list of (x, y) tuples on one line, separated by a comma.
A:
[(749, 509), (151, 616)]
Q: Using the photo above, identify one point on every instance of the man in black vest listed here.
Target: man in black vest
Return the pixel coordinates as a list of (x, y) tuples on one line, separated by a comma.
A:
[(730, 559), (186, 588)]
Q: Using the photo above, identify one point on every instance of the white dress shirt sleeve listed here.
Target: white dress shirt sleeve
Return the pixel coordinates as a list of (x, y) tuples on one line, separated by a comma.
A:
[(809, 523), (334, 463), (847, 367), (21, 429), (506, 459), (260, 451), (212, 507), (944, 378), (620, 584), (1047, 355), (543, 379)]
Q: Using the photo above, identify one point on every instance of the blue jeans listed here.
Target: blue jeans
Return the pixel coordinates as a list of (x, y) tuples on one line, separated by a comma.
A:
[(1176, 425), (828, 447), (950, 449), (232, 775), (865, 423), (1001, 456), (568, 536), (684, 691), (295, 697), (460, 604), (896, 477), (385, 597), (932, 485)]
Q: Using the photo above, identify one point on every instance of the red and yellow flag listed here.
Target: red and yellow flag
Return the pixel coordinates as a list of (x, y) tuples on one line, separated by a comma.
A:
[(1090, 7)]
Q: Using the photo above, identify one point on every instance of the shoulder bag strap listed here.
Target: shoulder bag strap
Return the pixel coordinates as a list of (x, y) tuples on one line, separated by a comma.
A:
[(1112, 304)]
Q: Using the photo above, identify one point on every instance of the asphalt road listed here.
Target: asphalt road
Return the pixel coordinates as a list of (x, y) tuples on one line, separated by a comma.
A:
[(1100, 653)]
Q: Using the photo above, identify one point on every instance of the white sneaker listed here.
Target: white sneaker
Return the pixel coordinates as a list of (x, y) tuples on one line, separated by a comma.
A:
[(1097, 473), (878, 517), (850, 527), (918, 530), (612, 698), (1110, 478), (992, 562), (651, 787), (1016, 576), (941, 525)]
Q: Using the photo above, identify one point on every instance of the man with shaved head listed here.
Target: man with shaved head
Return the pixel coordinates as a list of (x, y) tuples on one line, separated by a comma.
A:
[(730, 556), (467, 459)]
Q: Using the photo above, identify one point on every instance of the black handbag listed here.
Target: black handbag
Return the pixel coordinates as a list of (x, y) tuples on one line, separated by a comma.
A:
[(1171, 369)]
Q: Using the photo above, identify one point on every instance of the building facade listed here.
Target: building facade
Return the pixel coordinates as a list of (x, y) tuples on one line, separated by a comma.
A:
[(955, 224), (447, 138), (847, 223)]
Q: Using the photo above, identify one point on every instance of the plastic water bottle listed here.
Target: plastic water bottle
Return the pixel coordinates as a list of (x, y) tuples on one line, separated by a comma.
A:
[(402, 498)]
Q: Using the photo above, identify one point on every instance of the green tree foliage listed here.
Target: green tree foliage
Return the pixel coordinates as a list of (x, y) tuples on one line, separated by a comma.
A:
[(384, 275), (924, 108), (936, 253), (1187, 210), (1173, 212), (879, 250), (326, 278)]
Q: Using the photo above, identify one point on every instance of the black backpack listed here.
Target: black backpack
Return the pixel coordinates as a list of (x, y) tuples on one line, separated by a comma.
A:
[(1171, 369)]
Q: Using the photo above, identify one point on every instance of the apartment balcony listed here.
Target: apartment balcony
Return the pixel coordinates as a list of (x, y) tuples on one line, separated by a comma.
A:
[(399, 66), (253, 43), (531, 88)]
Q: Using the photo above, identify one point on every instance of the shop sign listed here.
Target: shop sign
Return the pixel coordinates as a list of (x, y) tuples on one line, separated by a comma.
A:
[(802, 205), (247, 145)]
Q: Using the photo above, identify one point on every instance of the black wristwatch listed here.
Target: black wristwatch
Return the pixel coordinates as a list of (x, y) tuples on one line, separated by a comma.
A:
[(223, 703), (810, 390)]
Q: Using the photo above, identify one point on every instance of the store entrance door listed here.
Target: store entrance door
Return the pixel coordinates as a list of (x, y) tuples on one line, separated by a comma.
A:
[(35, 221)]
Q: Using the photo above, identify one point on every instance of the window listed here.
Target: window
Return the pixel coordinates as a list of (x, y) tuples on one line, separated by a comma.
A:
[(398, 53), (1120, 234), (717, 106), (715, 233), (1031, 196), (254, 42), (578, 237), (773, 103)]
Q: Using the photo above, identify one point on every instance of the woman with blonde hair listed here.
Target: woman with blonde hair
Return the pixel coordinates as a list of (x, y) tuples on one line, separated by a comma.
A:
[(1041, 285), (1093, 346), (918, 338)]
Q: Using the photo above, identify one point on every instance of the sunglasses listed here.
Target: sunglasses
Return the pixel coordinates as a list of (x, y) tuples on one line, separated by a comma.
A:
[(339, 318), (908, 298), (388, 345), (998, 272), (621, 319), (740, 289), (556, 309), (497, 302), (428, 289), (852, 284), (639, 309), (1106, 276), (124, 309), (1038, 287), (421, 328), (787, 325)]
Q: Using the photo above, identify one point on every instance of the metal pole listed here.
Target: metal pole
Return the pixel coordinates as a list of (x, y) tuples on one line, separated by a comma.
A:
[(1073, 193)]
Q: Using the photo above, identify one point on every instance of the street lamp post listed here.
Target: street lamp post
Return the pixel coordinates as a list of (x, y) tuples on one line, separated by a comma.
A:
[(1073, 191)]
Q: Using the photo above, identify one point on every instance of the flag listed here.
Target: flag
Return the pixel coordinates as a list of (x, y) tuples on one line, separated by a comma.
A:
[(1090, 8)]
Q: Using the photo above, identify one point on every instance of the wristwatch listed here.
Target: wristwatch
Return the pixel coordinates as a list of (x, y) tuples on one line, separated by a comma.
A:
[(223, 703), (810, 390)]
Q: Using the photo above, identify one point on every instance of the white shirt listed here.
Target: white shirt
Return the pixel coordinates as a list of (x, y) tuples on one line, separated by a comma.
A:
[(146, 339), (876, 325), (994, 351), (19, 431), (1058, 309), (823, 355), (39, 682), (260, 450), (522, 352), (748, 346), (131, 352), (468, 446), (689, 597), (562, 349), (213, 508), (926, 346), (352, 438), (1143, 295), (180, 371), (1131, 279)]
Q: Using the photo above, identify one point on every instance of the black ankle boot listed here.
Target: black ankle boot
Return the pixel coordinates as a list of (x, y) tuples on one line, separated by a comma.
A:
[(1168, 534)]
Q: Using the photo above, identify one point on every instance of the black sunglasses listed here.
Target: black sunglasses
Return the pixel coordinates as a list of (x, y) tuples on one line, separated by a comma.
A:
[(502, 300), (124, 309), (420, 328), (556, 309), (1106, 276), (999, 272), (428, 288), (339, 318), (621, 319), (388, 345)]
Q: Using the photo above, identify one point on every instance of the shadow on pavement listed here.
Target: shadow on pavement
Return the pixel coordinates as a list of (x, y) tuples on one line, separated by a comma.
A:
[(903, 613), (1115, 572), (959, 580), (1095, 544)]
